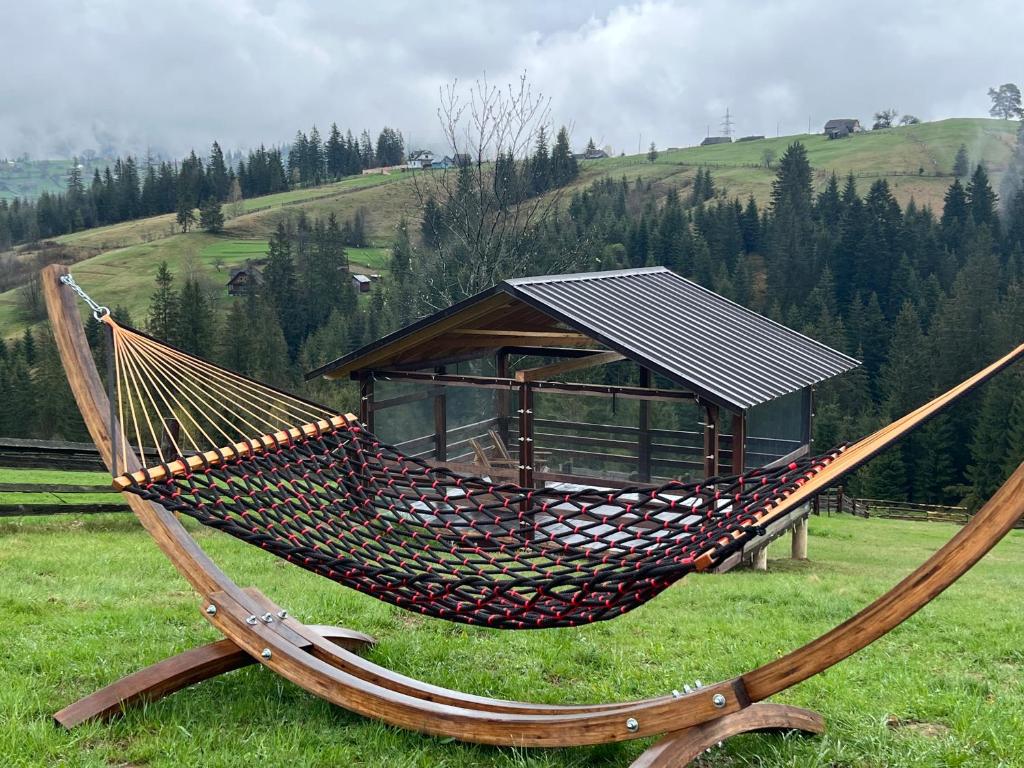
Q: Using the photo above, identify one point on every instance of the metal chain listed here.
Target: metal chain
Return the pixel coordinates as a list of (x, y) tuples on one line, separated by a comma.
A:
[(98, 311)]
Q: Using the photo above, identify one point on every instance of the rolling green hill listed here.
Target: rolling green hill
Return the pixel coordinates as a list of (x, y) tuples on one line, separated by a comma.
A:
[(917, 160), (28, 179), (118, 262)]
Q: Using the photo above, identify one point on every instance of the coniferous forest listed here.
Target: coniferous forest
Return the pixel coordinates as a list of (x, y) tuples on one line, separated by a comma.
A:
[(132, 189), (923, 298)]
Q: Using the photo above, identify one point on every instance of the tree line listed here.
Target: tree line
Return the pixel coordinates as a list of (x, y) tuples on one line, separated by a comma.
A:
[(129, 190)]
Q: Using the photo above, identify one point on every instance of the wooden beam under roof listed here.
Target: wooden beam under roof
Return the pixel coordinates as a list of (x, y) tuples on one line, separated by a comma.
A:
[(460, 337), (389, 351), (565, 366)]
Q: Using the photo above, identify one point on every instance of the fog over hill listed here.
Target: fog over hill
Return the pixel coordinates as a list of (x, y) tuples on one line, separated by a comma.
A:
[(126, 76)]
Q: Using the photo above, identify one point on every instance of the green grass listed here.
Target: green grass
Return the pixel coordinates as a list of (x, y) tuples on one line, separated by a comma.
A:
[(233, 250), (55, 477), (373, 259), (88, 600), (28, 180), (897, 154)]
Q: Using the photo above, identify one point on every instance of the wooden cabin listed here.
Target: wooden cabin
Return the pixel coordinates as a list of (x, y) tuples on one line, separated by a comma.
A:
[(607, 378)]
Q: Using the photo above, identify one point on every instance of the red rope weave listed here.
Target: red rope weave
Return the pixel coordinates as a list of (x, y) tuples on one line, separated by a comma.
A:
[(346, 506)]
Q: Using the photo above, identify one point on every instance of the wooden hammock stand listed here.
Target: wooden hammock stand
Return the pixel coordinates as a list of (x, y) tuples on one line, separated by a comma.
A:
[(323, 661)]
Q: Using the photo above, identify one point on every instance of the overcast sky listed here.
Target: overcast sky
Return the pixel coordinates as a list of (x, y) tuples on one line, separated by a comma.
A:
[(133, 74)]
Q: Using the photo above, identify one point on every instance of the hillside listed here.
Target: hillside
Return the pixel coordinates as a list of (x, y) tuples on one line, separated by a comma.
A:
[(31, 178), (118, 262), (916, 160)]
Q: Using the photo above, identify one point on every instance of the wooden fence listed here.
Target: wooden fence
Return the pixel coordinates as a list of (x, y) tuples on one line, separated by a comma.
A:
[(49, 454)]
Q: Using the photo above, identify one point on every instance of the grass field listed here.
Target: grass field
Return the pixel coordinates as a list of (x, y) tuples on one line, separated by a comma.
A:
[(30, 179), (917, 160), (88, 600)]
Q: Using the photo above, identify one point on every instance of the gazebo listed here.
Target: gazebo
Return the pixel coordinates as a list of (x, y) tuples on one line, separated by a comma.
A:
[(692, 384)]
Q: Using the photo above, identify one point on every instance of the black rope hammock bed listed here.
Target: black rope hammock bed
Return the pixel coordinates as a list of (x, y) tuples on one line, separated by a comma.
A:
[(314, 487)]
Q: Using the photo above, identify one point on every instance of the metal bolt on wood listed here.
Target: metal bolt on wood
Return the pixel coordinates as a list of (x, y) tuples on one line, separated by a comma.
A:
[(718, 700), (632, 725), (211, 610), (250, 620), (267, 653), (267, 617)]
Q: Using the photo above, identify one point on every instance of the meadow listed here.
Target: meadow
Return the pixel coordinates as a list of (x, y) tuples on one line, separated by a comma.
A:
[(90, 599)]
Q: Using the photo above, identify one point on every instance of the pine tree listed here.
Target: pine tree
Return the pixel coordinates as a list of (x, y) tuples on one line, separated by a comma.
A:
[(28, 346), (217, 175), (186, 215), (563, 165), (982, 200), (540, 165), (652, 153), (163, 306), (281, 288), (211, 216), (961, 165), (195, 324)]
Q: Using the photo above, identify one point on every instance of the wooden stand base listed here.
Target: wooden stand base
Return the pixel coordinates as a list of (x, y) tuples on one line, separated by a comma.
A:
[(176, 672), (681, 748)]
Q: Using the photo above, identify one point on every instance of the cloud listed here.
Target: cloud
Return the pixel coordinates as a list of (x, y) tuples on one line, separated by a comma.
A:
[(170, 76)]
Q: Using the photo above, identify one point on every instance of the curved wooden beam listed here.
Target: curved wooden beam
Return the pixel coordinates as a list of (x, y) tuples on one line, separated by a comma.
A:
[(680, 749), (176, 672)]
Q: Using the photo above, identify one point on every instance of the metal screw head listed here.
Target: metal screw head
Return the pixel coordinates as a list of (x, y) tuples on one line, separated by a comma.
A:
[(718, 700), (282, 614), (266, 653), (212, 610), (267, 618), (632, 725), (250, 620)]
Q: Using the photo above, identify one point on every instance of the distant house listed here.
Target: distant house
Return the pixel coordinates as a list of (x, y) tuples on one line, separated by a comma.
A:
[(716, 140), (421, 159), (361, 283), (841, 128), (592, 154), (244, 280), (749, 138)]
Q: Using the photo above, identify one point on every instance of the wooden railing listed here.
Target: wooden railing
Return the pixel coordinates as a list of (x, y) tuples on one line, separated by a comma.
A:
[(49, 454), (43, 499)]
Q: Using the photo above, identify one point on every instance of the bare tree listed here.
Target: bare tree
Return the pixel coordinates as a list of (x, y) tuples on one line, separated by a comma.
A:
[(481, 224), (884, 118)]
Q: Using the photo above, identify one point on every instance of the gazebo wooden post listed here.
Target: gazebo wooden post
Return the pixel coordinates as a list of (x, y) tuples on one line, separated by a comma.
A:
[(526, 435), (710, 440), (441, 420), (366, 400), (644, 439), (807, 416), (502, 395), (739, 442)]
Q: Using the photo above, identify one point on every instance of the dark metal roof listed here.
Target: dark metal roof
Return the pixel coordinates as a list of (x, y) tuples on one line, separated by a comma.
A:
[(688, 333), (713, 347)]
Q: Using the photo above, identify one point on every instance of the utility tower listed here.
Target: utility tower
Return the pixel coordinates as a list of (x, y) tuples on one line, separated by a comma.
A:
[(727, 123)]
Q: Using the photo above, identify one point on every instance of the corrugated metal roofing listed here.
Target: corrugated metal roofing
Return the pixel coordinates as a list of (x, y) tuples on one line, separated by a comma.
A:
[(702, 341)]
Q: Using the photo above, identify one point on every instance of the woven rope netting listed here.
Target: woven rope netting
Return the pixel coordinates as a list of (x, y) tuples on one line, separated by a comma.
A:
[(315, 488), (320, 491)]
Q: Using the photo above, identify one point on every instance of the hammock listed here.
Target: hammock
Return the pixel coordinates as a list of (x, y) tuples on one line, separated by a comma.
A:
[(332, 498)]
